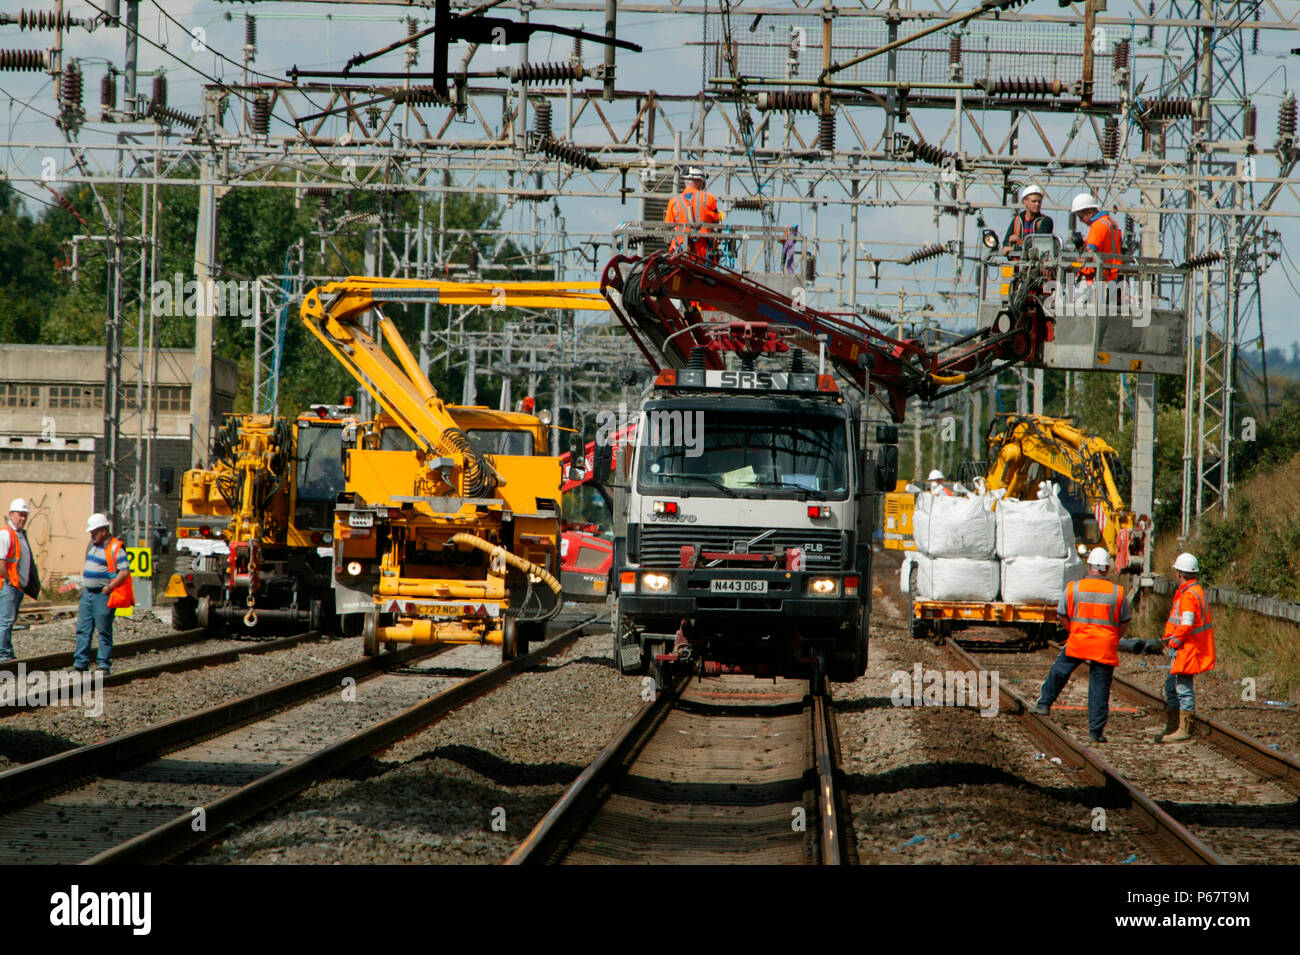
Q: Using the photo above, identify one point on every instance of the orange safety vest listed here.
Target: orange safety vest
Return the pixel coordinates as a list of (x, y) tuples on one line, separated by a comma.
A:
[(693, 205), (1194, 641), (1093, 606), (15, 554), (1104, 236), (1018, 227)]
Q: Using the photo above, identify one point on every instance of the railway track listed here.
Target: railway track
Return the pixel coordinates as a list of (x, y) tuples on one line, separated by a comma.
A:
[(121, 651), (156, 793), (32, 613), (721, 771), (1219, 798), (63, 682)]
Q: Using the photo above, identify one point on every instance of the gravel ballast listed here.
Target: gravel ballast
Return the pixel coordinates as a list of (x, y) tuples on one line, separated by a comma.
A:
[(466, 790)]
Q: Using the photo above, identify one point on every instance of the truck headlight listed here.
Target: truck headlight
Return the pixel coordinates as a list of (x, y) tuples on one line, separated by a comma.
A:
[(824, 586), (656, 583), (354, 568)]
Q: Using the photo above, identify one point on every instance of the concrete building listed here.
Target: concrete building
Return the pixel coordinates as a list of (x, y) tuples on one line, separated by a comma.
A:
[(52, 447)]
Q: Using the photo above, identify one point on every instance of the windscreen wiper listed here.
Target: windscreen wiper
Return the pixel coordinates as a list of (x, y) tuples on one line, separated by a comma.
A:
[(803, 487), (730, 492)]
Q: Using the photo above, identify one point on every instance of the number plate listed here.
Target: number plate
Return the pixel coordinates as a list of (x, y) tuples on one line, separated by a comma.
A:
[(737, 586), (361, 519)]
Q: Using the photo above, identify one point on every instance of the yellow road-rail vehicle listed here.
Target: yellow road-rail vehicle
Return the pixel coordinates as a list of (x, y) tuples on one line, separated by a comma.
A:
[(256, 527), (447, 530)]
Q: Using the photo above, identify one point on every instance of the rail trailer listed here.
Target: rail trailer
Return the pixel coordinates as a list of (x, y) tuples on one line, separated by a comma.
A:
[(983, 622), (255, 532)]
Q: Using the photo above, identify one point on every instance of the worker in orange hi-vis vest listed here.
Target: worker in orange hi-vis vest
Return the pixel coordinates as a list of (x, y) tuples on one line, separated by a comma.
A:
[(1096, 616), (1189, 638), (694, 205), (1104, 236), (1029, 221), (18, 574)]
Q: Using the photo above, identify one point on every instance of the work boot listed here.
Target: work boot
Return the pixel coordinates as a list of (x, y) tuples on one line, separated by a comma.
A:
[(1171, 724), (1184, 728), (1040, 709)]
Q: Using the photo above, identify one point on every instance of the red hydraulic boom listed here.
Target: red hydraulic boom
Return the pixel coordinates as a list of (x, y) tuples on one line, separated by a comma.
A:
[(659, 299)]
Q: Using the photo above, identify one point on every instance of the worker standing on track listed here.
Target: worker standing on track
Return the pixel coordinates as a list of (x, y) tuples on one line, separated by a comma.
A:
[(936, 483), (106, 569), (694, 205), (1189, 638), (1097, 616), (18, 575), (1029, 221), (1103, 236)]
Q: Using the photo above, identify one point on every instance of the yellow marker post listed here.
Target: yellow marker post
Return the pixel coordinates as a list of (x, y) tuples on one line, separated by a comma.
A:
[(140, 561)]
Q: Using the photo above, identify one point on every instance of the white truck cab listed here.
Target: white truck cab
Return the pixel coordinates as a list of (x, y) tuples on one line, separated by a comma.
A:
[(749, 513)]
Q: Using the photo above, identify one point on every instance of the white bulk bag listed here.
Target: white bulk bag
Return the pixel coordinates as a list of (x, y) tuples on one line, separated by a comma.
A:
[(1034, 580), (954, 526), (956, 578), (1041, 528)]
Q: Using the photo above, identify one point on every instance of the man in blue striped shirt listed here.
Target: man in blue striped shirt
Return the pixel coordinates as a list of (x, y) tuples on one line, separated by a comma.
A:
[(98, 579)]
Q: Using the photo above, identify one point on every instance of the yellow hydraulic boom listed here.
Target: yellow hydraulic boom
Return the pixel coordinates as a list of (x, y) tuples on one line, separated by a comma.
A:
[(453, 534)]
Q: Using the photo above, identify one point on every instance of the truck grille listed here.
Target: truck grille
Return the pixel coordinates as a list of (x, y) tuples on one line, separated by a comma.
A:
[(661, 546)]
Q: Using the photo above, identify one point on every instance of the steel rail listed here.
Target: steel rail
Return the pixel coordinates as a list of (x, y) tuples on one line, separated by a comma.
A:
[(177, 836), (564, 821), (829, 798), (1281, 766), (1169, 830), (181, 665)]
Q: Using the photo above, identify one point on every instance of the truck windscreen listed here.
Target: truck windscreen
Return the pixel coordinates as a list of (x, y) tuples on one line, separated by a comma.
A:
[(741, 454)]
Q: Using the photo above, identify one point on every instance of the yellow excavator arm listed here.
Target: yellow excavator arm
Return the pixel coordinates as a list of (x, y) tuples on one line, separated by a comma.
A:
[(1018, 442), (333, 312)]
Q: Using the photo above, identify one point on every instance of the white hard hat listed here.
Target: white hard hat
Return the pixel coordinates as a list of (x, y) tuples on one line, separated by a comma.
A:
[(1099, 558), (96, 521), (1084, 200), (19, 504), (1188, 564), (935, 475), (1031, 190), (695, 172)]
